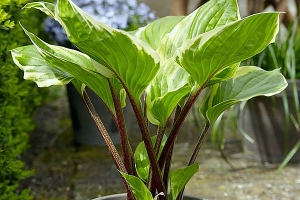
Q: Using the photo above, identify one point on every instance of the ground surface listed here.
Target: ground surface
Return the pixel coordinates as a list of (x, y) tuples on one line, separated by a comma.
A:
[(63, 171)]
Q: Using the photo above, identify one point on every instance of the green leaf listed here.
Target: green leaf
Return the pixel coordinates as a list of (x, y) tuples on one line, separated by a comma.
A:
[(79, 86), (9, 24), (4, 15), (77, 64), (141, 158), (132, 60), (180, 177), (138, 188), (165, 92), (213, 14), (248, 82), (289, 156), (156, 30), (47, 8), (208, 54), (223, 75), (170, 85), (35, 68)]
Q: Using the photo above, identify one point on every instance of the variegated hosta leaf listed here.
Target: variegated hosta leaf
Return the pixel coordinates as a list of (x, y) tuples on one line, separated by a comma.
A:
[(213, 14), (165, 92), (47, 8), (206, 55), (248, 82), (170, 85), (36, 69), (132, 60), (75, 63), (155, 31)]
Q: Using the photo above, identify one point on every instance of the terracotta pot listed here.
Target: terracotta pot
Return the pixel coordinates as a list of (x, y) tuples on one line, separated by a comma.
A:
[(123, 197), (264, 121)]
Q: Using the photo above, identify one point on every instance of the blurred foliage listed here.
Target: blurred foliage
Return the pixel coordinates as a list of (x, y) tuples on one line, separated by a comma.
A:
[(18, 98)]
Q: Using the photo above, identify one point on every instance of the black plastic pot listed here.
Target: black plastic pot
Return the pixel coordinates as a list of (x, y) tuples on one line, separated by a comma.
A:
[(123, 197), (263, 120)]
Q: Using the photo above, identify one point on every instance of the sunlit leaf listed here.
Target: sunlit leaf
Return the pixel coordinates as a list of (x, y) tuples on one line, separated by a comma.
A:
[(248, 82), (166, 91), (171, 83), (213, 14), (47, 8), (223, 75), (77, 64), (206, 55), (154, 32), (35, 68), (132, 60)]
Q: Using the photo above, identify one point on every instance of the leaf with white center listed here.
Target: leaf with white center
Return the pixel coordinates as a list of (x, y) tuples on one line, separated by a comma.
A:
[(132, 60), (77, 64), (36, 69), (165, 92), (180, 177), (214, 13), (47, 8), (248, 82), (170, 85), (156, 30), (208, 54)]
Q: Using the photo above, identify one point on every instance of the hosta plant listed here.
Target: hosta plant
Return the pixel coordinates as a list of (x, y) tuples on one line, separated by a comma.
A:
[(162, 68)]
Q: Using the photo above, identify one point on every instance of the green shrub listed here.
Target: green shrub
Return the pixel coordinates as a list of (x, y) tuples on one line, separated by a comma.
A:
[(18, 99)]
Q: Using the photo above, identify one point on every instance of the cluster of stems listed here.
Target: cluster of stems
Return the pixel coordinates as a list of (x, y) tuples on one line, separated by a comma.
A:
[(159, 165)]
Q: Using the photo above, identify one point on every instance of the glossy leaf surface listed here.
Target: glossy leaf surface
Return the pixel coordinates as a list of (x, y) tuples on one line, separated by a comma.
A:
[(165, 91), (170, 86), (75, 63), (247, 83), (35, 68), (211, 15), (206, 55), (154, 32), (47, 8), (133, 61)]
